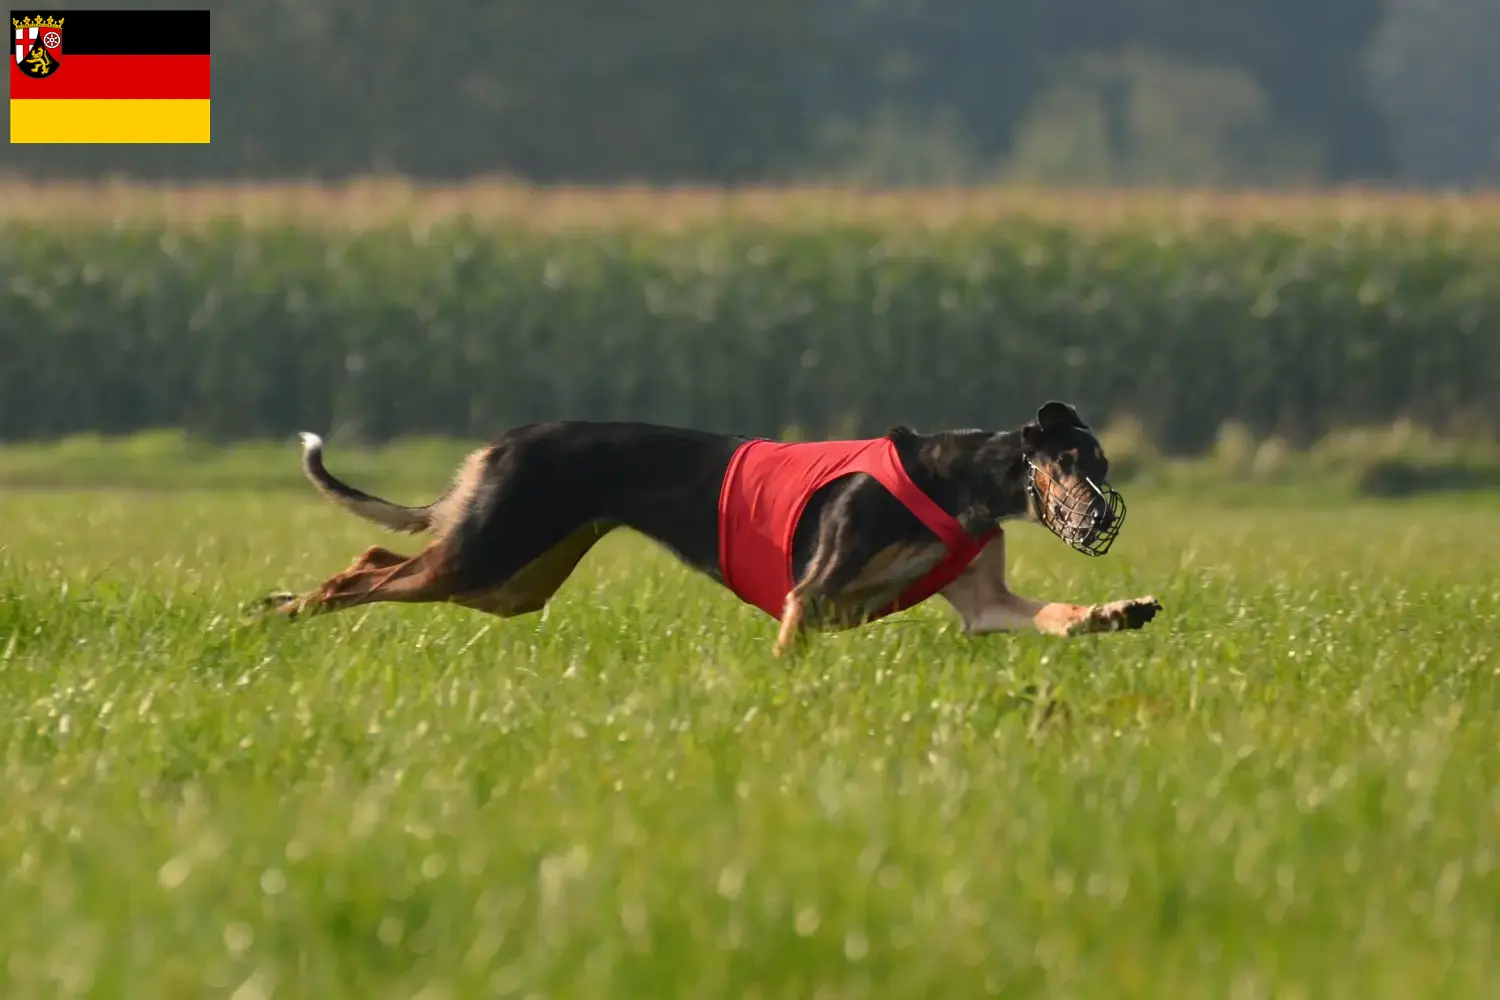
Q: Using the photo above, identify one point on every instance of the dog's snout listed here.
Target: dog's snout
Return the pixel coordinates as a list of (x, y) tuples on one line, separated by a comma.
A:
[(1085, 513), (1104, 518)]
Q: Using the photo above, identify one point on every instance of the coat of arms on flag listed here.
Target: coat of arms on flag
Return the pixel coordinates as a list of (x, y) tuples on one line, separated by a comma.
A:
[(38, 44)]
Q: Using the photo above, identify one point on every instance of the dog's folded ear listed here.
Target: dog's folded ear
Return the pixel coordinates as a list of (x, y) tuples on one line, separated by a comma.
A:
[(1058, 414)]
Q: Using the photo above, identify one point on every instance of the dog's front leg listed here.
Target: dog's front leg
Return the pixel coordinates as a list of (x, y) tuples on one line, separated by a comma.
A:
[(847, 583), (986, 604), (791, 623)]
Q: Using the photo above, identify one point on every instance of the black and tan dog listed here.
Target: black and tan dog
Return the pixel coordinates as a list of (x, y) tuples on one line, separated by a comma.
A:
[(858, 538)]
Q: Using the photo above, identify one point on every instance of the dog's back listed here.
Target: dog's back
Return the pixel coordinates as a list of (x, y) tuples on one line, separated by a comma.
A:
[(551, 478)]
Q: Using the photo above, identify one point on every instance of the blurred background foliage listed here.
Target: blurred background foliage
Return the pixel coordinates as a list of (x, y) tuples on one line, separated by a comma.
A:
[(338, 314)]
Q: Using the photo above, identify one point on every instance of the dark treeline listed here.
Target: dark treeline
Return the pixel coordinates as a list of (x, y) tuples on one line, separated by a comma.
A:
[(722, 91), (236, 332)]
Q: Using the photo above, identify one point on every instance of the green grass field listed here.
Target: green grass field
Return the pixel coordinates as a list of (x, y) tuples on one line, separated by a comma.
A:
[(1287, 786)]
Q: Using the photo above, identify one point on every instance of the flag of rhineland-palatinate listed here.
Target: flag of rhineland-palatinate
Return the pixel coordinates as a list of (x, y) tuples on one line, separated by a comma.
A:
[(110, 76)]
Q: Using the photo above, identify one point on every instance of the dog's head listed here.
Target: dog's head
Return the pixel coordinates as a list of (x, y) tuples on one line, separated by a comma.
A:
[(1067, 480)]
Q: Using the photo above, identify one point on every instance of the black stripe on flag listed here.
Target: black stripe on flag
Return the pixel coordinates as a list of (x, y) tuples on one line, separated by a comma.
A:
[(128, 32)]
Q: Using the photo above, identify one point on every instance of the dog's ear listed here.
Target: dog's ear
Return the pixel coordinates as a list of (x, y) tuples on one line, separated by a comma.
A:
[(1058, 414)]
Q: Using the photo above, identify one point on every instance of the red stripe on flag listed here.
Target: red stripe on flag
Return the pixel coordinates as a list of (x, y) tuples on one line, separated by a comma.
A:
[(118, 77)]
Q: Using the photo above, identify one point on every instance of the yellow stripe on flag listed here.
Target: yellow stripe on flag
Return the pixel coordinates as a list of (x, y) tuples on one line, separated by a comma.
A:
[(109, 121)]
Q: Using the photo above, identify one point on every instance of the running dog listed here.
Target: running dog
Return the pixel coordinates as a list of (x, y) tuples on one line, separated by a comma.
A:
[(820, 535)]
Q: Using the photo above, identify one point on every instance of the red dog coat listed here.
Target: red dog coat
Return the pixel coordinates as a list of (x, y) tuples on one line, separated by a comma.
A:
[(765, 491)]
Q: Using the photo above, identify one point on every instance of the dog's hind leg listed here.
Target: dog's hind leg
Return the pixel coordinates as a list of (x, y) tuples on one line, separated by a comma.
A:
[(379, 576), (986, 604), (376, 557), (373, 558), (532, 587), (433, 576)]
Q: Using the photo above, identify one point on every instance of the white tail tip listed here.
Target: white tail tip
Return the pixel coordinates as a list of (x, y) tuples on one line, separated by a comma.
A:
[(310, 441)]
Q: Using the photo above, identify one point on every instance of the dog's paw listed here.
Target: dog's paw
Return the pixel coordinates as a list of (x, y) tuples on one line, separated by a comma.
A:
[(282, 602), (1120, 616), (1131, 614)]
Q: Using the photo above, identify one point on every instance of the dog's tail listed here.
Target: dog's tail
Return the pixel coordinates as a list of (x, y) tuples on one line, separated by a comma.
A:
[(395, 517)]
